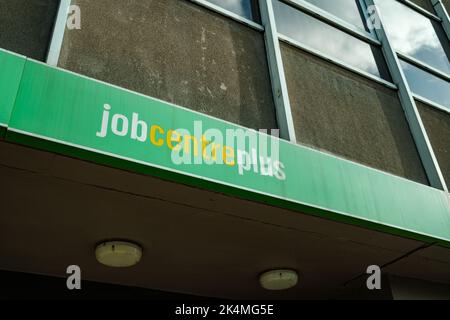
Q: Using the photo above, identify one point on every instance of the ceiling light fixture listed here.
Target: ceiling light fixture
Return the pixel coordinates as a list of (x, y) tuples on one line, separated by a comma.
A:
[(118, 254), (281, 279)]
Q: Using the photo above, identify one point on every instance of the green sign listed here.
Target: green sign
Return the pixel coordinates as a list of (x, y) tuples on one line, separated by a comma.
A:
[(74, 115), (11, 66)]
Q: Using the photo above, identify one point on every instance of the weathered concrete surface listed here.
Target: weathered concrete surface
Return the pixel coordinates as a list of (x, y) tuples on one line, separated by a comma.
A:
[(350, 116), (176, 51), (437, 125), (426, 4), (26, 26), (447, 5)]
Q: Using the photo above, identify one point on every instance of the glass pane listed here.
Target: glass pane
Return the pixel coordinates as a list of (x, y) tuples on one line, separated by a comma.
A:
[(427, 85), (329, 40), (414, 34), (347, 10), (243, 8)]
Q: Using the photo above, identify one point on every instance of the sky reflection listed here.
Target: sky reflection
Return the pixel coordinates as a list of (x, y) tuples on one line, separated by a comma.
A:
[(413, 34), (427, 85), (347, 10), (240, 7), (329, 40)]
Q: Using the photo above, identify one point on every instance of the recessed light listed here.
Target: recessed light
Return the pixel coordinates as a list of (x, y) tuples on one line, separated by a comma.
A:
[(118, 254), (281, 279)]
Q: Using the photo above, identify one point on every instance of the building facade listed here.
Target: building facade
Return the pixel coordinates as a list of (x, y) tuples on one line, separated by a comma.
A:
[(94, 98)]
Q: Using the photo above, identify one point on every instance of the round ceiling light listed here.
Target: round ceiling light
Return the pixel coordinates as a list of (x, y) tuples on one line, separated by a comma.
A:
[(278, 279), (118, 254)]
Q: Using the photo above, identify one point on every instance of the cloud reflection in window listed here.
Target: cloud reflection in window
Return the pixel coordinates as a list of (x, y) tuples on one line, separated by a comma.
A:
[(347, 10), (414, 34), (329, 40)]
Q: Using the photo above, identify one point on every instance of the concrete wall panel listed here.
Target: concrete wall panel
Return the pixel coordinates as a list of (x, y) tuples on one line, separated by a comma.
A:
[(176, 51), (437, 124), (26, 26), (340, 112)]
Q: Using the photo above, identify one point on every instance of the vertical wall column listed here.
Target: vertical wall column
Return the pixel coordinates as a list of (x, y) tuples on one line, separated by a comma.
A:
[(278, 79), (58, 33), (443, 14), (419, 134)]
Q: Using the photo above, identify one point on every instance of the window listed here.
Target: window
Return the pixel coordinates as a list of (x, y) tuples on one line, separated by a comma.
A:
[(245, 8), (426, 84), (331, 41), (415, 35), (347, 10)]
